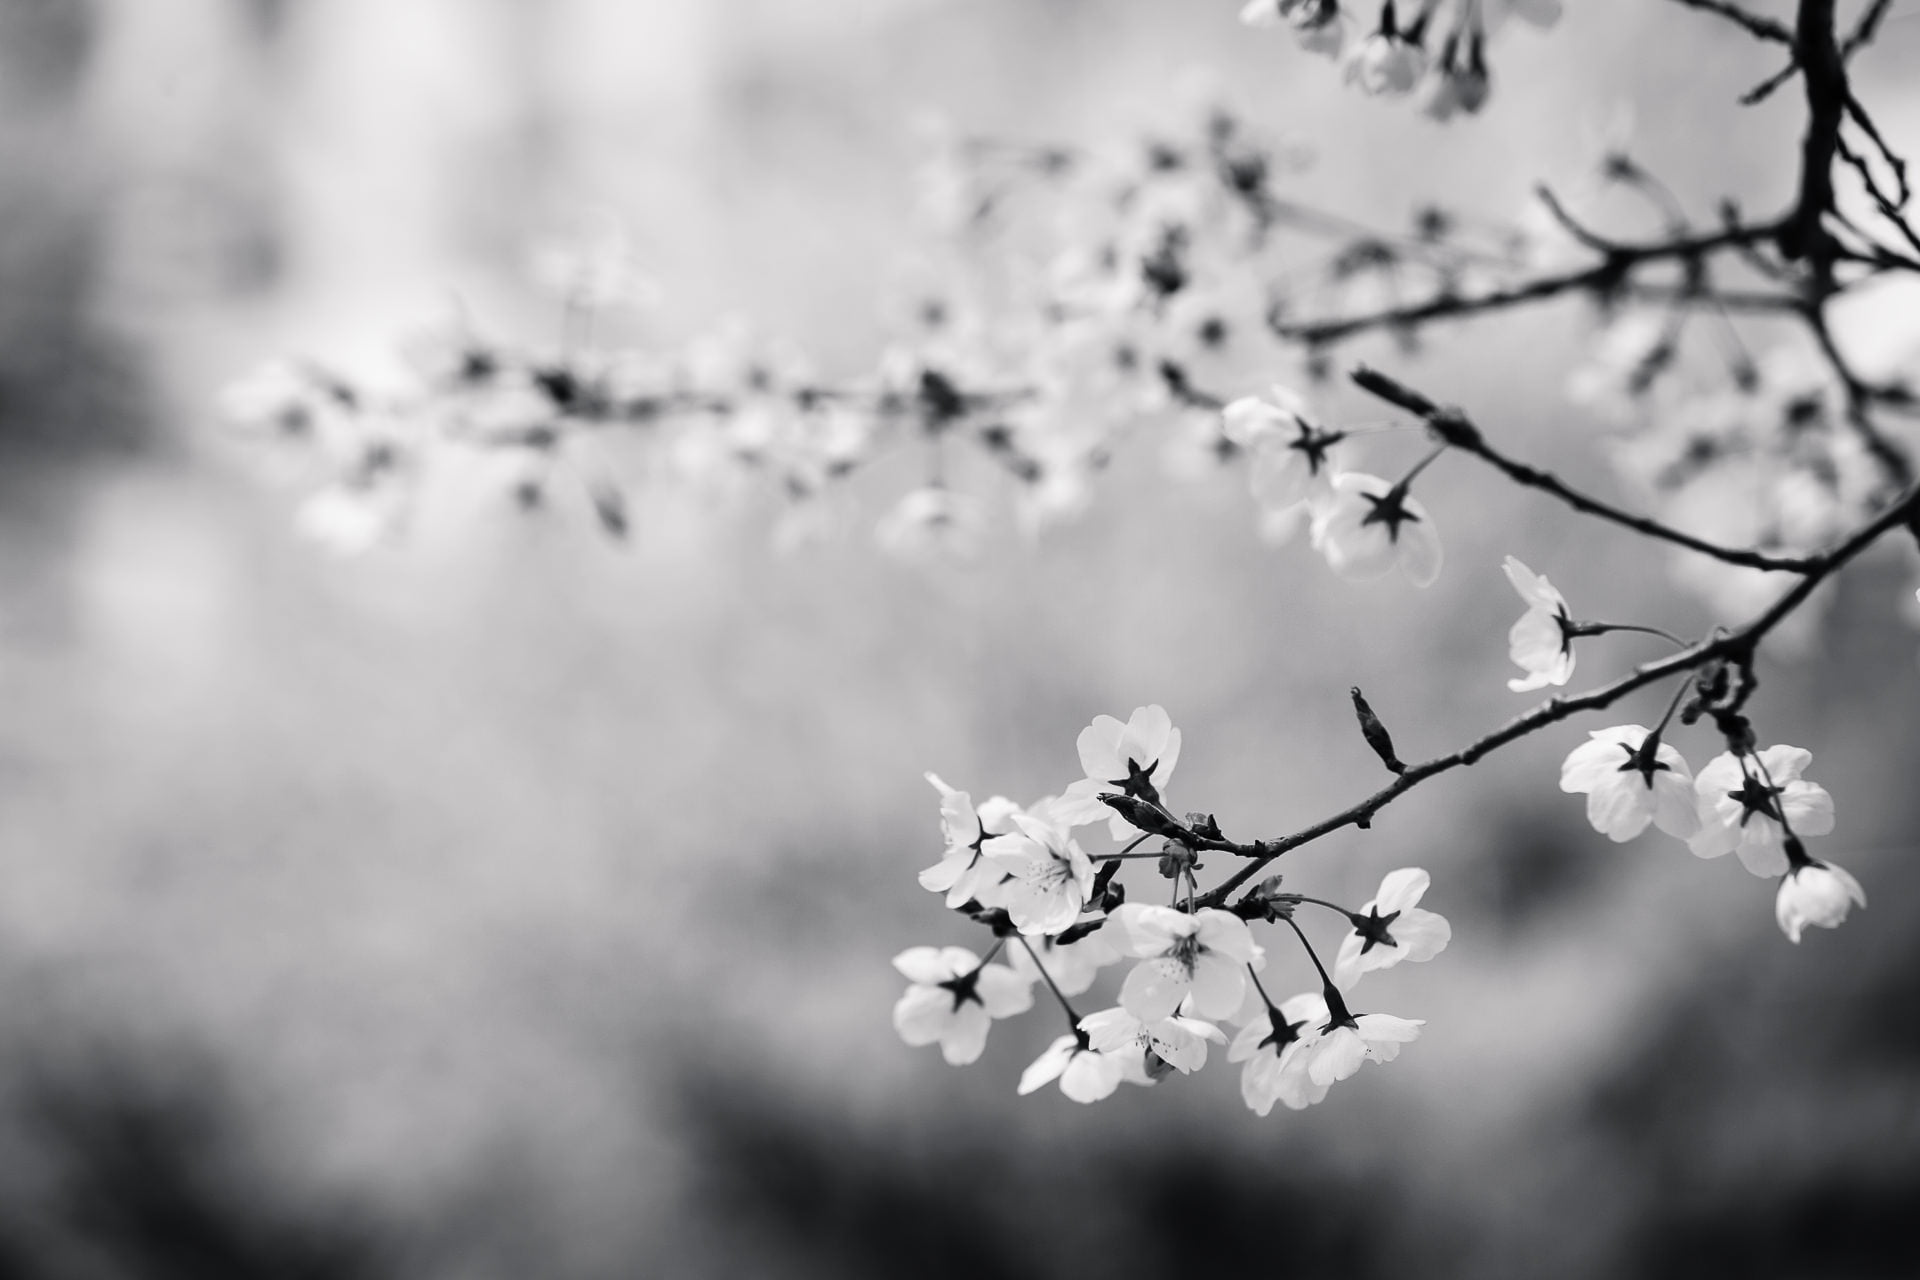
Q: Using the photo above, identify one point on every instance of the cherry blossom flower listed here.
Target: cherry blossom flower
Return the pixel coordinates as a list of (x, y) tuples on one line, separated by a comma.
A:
[(280, 398), (1072, 965), (964, 872), (352, 519), (1815, 893), (1279, 526), (1136, 758), (1391, 928), (932, 523), (1204, 954), (1541, 642), (1084, 1073), (954, 998), (1292, 460), (1317, 24), (1345, 1041), (1050, 875), (1369, 526), (1178, 1042), (1386, 63), (1633, 349), (1740, 812), (1627, 787), (1270, 1045), (597, 270), (1462, 83)]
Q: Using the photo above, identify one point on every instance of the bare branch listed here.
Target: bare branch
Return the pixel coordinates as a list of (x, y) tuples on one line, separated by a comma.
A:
[(1754, 25), (1865, 30)]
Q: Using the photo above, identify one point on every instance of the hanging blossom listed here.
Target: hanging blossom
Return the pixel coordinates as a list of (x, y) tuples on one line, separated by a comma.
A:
[(1135, 758), (1392, 928), (1370, 526), (1270, 1046), (1148, 1047), (1388, 62), (1292, 458), (1085, 1074), (1203, 955), (1631, 779), (1541, 642), (1338, 1048), (1049, 875), (1815, 892), (1393, 59), (1461, 81), (954, 998), (1741, 807), (964, 872), (933, 523)]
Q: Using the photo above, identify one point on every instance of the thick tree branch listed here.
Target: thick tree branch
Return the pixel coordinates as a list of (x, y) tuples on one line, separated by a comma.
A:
[(1825, 75)]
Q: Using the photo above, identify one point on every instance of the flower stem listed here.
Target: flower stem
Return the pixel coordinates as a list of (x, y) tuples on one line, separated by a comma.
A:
[(1325, 981), (1406, 481), (1073, 1019), (1273, 1010), (1778, 795), (1336, 1003), (1321, 902), (1672, 706), (1602, 628)]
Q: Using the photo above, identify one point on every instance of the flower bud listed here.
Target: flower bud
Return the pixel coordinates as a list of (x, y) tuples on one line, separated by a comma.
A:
[(1150, 818), (1817, 893), (1375, 733)]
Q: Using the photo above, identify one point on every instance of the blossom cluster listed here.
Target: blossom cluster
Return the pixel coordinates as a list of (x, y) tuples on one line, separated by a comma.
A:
[(1753, 803), (1060, 916), (1437, 50), (1167, 264), (1748, 801)]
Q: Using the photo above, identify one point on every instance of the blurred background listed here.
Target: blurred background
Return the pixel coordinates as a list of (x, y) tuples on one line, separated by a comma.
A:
[(512, 902)]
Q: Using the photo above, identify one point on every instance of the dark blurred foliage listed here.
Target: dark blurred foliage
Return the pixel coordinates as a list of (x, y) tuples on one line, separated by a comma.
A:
[(825, 1195), (127, 1161), (67, 384)]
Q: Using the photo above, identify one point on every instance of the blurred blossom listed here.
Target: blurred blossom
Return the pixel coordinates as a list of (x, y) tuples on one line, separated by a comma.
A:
[(933, 522)]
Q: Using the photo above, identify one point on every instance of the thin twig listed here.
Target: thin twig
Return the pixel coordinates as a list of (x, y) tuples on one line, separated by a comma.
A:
[(1618, 260), (1755, 25), (1457, 430)]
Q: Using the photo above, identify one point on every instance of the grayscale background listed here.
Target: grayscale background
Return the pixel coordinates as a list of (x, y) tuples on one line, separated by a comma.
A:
[(516, 904)]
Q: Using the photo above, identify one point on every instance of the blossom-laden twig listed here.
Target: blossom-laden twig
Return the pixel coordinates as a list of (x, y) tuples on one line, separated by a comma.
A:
[(1198, 964)]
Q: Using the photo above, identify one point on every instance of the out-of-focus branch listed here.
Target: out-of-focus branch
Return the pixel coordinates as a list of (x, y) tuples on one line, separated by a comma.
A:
[(1861, 36), (1755, 25), (1864, 30), (1619, 259), (1825, 76)]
